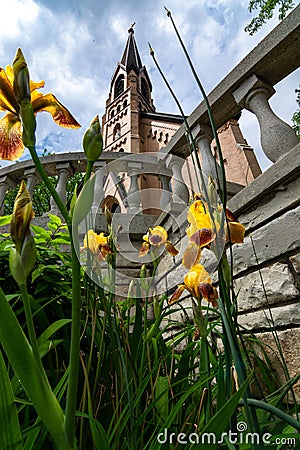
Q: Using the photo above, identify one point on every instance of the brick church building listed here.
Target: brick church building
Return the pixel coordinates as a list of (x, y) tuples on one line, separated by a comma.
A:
[(131, 123)]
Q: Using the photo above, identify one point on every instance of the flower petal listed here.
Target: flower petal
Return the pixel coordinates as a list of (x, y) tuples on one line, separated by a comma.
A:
[(209, 292), (177, 294), (34, 85), (191, 256), (157, 236), (198, 218), (171, 249), (90, 241), (59, 112), (8, 101), (144, 249), (236, 233), (11, 144), (202, 237)]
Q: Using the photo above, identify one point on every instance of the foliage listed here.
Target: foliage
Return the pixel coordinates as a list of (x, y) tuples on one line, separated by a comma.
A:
[(266, 10), (296, 115), (41, 194)]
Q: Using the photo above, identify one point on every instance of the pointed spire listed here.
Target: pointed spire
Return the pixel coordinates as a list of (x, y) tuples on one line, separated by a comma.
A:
[(131, 58)]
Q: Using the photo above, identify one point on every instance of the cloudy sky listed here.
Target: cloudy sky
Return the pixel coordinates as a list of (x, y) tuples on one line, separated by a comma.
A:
[(74, 45)]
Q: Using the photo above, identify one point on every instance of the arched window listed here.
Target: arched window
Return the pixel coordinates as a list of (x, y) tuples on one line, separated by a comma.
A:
[(118, 108), (119, 86), (117, 132), (144, 89), (112, 113), (125, 103)]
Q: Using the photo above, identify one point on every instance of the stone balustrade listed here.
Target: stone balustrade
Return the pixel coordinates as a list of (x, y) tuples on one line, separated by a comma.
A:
[(249, 85), (125, 170)]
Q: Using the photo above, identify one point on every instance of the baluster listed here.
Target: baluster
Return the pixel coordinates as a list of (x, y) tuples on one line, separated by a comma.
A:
[(180, 191), (5, 184), (203, 136), (166, 195), (100, 172), (134, 194), (276, 136), (30, 175), (63, 175)]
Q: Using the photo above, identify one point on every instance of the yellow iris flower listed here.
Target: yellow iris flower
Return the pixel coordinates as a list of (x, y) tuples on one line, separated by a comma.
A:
[(198, 283), (11, 144), (202, 231), (97, 243), (157, 237)]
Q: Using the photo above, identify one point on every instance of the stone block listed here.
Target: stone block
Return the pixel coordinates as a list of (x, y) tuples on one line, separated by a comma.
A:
[(295, 260), (278, 282), (270, 241), (279, 200), (290, 343), (281, 316)]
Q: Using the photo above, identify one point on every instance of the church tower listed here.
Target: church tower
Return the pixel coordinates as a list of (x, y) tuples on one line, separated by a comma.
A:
[(130, 123)]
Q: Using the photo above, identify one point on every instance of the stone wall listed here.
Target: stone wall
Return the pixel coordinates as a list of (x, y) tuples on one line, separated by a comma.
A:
[(266, 266)]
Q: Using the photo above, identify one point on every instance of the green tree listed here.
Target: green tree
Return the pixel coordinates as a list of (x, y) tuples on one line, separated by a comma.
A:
[(296, 115), (41, 195), (266, 9)]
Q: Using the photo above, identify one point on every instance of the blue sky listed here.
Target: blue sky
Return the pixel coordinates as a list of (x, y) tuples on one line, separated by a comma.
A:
[(74, 45)]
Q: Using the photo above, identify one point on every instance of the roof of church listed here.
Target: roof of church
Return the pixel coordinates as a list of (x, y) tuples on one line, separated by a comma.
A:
[(131, 58), (175, 118)]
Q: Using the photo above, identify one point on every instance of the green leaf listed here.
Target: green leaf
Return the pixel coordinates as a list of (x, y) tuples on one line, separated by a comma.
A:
[(54, 223), (5, 220), (10, 434), (217, 425), (32, 378), (161, 394), (53, 328)]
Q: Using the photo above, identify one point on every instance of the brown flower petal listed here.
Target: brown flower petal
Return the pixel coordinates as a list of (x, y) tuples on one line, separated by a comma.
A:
[(11, 144), (177, 294), (171, 248), (202, 237), (144, 249), (59, 112), (236, 233), (209, 292), (191, 256)]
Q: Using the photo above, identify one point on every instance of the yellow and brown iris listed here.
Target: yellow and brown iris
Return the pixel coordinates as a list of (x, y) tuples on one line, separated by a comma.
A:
[(98, 244), (198, 283), (203, 229), (13, 90), (157, 237)]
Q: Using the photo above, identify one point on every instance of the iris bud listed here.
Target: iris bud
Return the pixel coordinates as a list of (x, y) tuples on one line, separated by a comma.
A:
[(21, 83), (93, 141), (23, 254)]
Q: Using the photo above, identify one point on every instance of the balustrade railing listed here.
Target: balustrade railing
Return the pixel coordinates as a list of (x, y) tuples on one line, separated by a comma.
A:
[(249, 85), (117, 174)]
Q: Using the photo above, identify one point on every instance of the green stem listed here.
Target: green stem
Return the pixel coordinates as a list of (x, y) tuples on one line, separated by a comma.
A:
[(209, 111), (74, 348), (272, 409), (48, 183), (30, 327), (88, 172)]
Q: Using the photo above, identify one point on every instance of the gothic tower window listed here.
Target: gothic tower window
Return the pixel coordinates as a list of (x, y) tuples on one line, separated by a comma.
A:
[(117, 132), (119, 86), (144, 89)]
